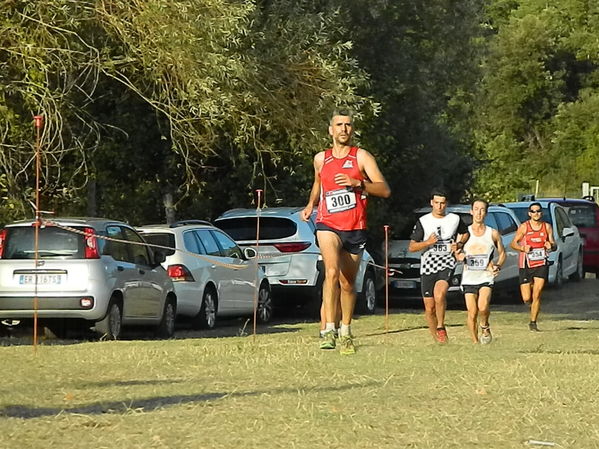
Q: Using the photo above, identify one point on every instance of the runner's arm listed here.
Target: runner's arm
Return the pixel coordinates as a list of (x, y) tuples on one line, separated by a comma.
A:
[(517, 238), (500, 249), (550, 240), (315, 192), (375, 183)]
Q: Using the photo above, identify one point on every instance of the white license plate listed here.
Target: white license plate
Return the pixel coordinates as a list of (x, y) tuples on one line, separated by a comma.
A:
[(404, 284), (42, 279)]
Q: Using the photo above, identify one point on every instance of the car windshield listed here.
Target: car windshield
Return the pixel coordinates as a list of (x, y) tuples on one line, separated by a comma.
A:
[(522, 213), (583, 215), (53, 243), (406, 225), (244, 228), (161, 239)]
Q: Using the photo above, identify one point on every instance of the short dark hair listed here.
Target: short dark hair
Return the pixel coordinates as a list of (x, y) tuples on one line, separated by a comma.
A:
[(480, 200), (438, 191), (344, 112), (535, 204)]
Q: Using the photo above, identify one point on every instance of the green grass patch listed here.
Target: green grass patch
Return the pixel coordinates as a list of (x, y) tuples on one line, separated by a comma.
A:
[(278, 390)]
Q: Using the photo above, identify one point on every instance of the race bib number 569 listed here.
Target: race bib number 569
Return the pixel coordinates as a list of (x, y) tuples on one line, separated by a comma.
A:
[(340, 200)]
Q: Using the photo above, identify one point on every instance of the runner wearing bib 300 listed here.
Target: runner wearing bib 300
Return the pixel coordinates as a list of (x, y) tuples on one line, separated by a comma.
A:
[(340, 207)]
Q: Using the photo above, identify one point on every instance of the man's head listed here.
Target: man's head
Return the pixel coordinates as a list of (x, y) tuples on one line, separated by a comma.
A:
[(535, 211), (478, 210), (341, 127), (438, 202)]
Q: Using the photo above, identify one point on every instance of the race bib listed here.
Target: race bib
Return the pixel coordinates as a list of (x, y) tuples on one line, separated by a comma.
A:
[(477, 262), (441, 247), (340, 200), (537, 254)]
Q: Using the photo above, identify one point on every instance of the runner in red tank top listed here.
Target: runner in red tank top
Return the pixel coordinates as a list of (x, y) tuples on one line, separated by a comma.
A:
[(533, 240), (343, 176)]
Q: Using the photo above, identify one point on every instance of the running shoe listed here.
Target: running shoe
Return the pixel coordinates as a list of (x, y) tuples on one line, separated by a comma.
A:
[(441, 335), (347, 345), (329, 340), (485, 337), (532, 326)]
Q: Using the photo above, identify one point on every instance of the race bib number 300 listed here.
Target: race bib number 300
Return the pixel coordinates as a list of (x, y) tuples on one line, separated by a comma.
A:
[(340, 200), (537, 254)]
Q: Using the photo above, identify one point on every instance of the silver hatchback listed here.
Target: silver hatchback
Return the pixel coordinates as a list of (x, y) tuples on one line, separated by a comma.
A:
[(92, 271), (291, 258)]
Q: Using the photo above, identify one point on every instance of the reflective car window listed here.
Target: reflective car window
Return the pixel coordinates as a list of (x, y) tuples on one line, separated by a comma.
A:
[(229, 247), (161, 239), (53, 243), (208, 241), (138, 254), (505, 223), (244, 228), (118, 250), (583, 215)]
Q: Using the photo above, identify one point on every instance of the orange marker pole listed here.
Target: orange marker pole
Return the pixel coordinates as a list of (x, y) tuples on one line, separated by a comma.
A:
[(386, 227), (256, 286), (38, 123)]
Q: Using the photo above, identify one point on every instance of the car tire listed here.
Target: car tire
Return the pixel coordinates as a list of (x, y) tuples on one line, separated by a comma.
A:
[(578, 275), (367, 298), (206, 317), (110, 327), (265, 306), (166, 328), (559, 275)]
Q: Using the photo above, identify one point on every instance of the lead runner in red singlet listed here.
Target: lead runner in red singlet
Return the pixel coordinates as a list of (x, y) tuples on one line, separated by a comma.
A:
[(533, 239), (343, 178)]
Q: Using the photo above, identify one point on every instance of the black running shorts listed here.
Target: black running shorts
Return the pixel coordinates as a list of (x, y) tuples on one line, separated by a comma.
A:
[(353, 242), (527, 274), (428, 281), (474, 289)]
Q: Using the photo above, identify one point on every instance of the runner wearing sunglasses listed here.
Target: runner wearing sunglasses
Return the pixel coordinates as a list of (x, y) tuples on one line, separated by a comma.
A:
[(534, 239)]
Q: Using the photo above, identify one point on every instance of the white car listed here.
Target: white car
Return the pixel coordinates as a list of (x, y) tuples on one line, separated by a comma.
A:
[(212, 276), (405, 280), (90, 271), (291, 258), (567, 260)]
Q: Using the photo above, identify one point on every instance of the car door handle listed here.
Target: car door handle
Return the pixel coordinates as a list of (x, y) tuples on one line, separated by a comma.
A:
[(119, 268), (142, 271)]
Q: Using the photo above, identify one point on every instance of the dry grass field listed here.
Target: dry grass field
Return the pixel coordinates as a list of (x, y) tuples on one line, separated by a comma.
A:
[(278, 390)]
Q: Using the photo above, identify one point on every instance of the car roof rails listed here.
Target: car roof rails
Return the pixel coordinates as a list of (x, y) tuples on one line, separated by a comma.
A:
[(176, 224)]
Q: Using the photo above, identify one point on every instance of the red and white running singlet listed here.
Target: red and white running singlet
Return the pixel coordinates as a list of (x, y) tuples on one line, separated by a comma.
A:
[(340, 207), (537, 257)]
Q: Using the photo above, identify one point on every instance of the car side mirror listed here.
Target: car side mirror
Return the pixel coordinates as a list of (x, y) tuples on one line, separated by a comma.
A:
[(567, 232), (250, 253)]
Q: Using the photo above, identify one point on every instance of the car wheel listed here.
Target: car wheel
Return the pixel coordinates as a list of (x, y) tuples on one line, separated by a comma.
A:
[(559, 275), (579, 273), (206, 317), (110, 326), (265, 308), (367, 299), (166, 328)]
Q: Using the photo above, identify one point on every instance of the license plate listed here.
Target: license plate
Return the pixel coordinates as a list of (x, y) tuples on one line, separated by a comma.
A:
[(404, 284), (42, 279)]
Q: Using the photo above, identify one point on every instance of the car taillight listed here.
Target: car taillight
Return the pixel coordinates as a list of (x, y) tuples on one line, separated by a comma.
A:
[(292, 247), (179, 273), (91, 244), (2, 240)]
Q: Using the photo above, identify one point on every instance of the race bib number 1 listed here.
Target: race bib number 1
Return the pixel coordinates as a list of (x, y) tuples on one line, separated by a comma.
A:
[(537, 254), (340, 200), (477, 262)]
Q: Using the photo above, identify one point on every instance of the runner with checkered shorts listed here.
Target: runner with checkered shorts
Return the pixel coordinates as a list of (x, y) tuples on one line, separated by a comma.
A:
[(438, 235)]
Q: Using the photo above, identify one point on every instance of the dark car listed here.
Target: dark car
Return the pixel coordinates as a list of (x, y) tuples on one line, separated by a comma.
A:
[(585, 215)]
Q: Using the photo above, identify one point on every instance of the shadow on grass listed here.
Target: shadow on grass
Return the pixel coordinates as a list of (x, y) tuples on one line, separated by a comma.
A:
[(153, 403)]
